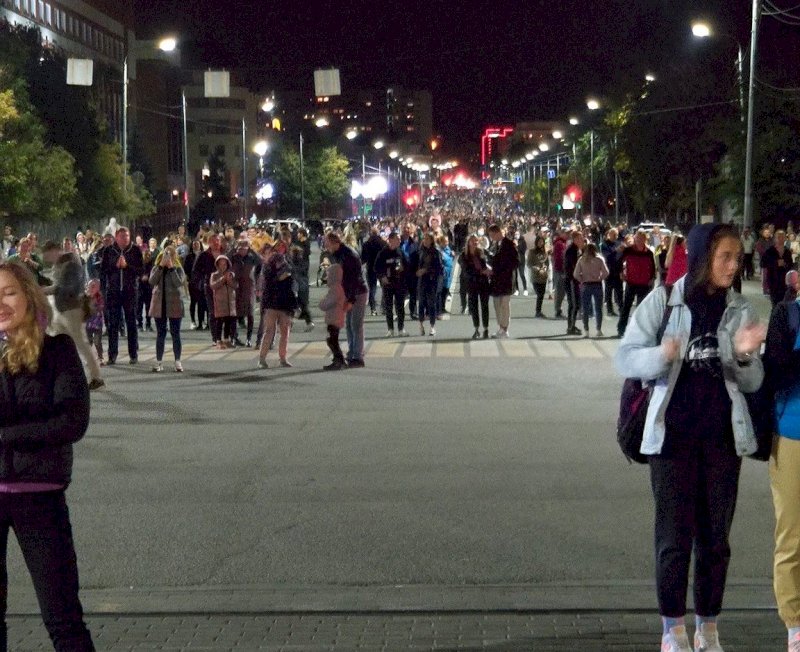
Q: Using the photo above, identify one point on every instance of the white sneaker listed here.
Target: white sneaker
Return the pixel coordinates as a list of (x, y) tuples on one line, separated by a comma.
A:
[(516, 293), (524, 293), (503, 335), (706, 639), (599, 333), (178, 366), (676, 640), (422, 329), (433, 331), (389, 333), (586, 332), (402, 333), (158, 368)]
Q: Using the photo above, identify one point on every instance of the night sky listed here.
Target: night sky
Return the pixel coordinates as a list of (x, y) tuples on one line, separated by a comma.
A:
[(484, 62)]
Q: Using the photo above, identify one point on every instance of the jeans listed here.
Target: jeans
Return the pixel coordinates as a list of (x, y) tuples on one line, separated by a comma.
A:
[(41, 523), (354, 323), (117, 307), (427, 293), (161, 336), (372, 286), (695, 486), (559, 290), (592, 292), (393, 301)]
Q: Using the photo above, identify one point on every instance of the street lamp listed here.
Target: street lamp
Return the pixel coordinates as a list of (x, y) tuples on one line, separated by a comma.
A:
[(574, 121), (649, 77), (351, 134), (592, 104), (378, 144)]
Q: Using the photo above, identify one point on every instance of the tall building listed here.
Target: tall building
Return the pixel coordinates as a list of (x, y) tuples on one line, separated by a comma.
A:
[(214, 126), (88, 29)]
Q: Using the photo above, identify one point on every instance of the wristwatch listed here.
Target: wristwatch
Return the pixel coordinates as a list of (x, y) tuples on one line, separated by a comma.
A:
[(744, 359)]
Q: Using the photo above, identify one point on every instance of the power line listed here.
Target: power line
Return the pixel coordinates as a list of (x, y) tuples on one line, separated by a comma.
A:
[(783, 15), (795, 89), (686, 108)]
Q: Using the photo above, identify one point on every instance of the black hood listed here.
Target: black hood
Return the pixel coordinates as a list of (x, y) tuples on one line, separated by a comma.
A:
[(698, 250)]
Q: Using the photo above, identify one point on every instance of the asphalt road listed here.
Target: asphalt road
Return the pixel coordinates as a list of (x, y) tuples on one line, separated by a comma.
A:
[(442, 462)]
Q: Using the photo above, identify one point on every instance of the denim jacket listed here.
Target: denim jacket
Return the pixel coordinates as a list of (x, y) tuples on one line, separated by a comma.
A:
[(638, 356)]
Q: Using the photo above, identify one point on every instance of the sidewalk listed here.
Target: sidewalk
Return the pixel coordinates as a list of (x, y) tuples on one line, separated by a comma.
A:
[(594, 616)]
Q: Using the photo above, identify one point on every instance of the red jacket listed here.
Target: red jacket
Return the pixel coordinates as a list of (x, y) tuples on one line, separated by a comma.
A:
[(639, 266)]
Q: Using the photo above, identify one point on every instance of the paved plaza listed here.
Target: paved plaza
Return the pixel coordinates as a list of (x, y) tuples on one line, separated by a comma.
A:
[(452, 495)]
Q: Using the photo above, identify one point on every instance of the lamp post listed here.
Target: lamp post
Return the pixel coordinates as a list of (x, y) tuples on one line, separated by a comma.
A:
[(592, 105)]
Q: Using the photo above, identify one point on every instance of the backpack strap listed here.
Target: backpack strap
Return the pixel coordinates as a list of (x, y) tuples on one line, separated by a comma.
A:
[(667, 313)]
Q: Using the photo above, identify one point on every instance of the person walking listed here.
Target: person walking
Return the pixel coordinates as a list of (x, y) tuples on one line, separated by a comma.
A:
[(429, 279), (501, 281), (69, 300), (476, 272), (44, 403), (776, 261), (590, 272), (390, 266), (639, 274), (539, 264), (121, 268), (782, 378), (166, 304), (698, 424)]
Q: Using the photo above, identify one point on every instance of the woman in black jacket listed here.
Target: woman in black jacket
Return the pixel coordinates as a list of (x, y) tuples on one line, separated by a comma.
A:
[(476, 269), (197, 296), (44, 409)]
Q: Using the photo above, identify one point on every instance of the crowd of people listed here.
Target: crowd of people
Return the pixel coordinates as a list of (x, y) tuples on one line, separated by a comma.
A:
[(693, 337)]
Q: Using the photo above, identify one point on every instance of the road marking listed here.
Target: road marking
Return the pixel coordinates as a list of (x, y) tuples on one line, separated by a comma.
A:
[(483, 349), (545, 349), (584, 349), (380, 349), (450, 350), (417, 351), (608, 347), (313, 350), (517, 349)]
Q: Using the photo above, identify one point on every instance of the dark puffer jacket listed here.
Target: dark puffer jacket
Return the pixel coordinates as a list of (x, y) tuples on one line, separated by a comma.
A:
[(42, 415)]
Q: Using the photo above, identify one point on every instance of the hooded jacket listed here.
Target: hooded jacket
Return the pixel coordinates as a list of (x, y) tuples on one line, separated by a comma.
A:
[(223, 290), (639, 356), (333, 302)]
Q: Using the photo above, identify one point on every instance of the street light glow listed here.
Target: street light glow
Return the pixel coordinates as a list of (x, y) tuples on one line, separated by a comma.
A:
[(557, 135), (378, 144), (592, 104), (701, 30), (261, 147), (322, 122), (574, 121), (268, 106), (544, 147), (168, 44), (394, 154), (351, 134), (649, 77)]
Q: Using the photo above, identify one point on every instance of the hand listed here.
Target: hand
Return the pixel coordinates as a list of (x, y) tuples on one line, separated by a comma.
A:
[(121, 262), (348, 306), (748, 339), (671, 348), (420, 273)]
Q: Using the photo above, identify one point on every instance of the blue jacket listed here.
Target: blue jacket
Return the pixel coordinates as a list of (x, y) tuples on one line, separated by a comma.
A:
[(638, 356), (447, 265), (782, 367)]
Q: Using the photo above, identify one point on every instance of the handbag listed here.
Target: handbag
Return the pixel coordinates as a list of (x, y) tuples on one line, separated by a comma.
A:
[(634, 401)]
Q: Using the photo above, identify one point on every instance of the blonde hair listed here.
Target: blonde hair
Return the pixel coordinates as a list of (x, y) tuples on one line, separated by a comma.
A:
[(24, 346), (173, 252)]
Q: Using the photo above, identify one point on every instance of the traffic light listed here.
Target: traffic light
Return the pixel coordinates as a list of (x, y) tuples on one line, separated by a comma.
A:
[(574, 194)]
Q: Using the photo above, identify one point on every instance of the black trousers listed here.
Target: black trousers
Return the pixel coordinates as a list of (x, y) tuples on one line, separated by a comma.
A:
[(41, 524), (197, 305), (333, 343), (145, 294), (475, 297), (632, 293), (747, 267), (394, 301), (372, 286), (411, 286), (695, 485), (119, 307), (613, 293)]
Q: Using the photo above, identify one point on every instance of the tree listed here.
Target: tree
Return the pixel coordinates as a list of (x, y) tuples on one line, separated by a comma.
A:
[(37, 182), (287, 181), (73, 122), (329, 183)]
